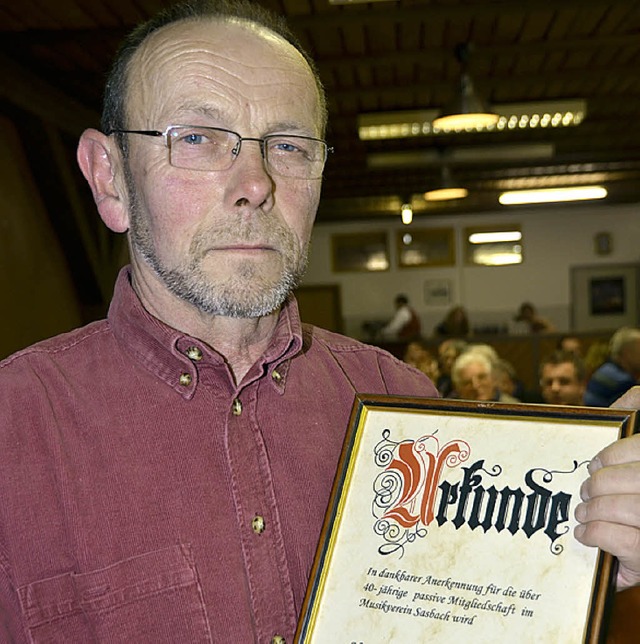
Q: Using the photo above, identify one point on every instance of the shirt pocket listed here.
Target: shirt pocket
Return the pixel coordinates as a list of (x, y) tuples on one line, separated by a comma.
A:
[(152, 598)]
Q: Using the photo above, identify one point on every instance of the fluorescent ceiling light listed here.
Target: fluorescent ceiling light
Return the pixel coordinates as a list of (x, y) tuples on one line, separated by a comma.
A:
[(395, 125), (500, 259), (494, 237), (552, 195), (482, 154), (445, 194), (512, 116)]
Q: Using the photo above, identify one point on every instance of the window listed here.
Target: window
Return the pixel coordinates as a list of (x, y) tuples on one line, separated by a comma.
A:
[(494, 245), (426, 247), (360, 252)]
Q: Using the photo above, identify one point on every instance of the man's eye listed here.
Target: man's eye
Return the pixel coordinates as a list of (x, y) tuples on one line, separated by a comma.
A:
[(285, 146), (193, 138)]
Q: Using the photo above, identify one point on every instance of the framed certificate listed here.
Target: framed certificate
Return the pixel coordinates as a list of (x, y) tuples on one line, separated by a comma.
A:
[(452, 521)]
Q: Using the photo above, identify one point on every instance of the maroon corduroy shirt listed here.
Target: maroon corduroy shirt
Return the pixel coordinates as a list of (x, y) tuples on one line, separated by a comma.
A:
[(144, 497)]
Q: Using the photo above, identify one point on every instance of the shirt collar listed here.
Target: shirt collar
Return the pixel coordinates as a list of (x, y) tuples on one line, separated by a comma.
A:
[(174, 356)]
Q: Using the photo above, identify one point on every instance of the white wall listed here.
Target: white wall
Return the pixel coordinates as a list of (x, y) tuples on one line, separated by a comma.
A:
[(554, 240)]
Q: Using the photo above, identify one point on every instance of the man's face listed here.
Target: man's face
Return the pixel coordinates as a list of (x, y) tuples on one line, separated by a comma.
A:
[(476, 382), (572, 345), (560, 385), (231, 242)]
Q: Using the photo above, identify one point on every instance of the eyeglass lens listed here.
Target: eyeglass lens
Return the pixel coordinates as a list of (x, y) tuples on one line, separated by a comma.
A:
[(206, 148)]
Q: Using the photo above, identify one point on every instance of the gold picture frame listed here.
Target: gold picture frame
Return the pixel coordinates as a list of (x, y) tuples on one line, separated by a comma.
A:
[(452, 521)]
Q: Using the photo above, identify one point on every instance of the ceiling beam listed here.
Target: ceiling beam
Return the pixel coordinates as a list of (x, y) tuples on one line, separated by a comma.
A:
[(438, 55), (502, 84), (445, 12)]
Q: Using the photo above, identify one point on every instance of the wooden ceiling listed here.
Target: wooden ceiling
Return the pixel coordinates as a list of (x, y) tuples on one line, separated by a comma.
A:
[(384, 56)]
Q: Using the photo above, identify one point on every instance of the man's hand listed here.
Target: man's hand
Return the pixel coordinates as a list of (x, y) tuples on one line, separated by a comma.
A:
[(609, 515)]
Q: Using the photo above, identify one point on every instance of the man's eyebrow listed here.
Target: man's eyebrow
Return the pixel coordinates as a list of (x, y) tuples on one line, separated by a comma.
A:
[(207, 111), (287, 126)]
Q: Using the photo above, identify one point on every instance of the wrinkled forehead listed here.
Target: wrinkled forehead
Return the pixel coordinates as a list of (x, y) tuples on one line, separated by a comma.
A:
[(188, 54)]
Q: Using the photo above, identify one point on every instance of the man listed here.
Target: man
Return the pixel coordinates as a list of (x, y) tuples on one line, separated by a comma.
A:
[(619, 373), (405, 324), (474, 378), (536, 323), (165, 472), (571, 344), (562, 379)]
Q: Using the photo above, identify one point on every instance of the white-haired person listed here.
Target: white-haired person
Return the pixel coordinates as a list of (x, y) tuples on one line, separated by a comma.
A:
[(619, 373), (474, 377)]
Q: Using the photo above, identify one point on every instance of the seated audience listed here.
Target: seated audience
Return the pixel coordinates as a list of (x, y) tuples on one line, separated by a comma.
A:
[(537, 324), (562, 379), (454, 325), (405, 324), (619, 373), (448, 351), (474, 378)]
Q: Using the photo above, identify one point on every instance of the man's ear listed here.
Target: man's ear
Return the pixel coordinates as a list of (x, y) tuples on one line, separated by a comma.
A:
[(100, 162)]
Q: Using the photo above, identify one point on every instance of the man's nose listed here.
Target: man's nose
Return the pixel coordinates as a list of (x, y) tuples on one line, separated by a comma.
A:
[(250, 180)]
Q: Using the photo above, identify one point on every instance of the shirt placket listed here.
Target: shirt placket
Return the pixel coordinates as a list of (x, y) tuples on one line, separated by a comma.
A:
[(258, 522)]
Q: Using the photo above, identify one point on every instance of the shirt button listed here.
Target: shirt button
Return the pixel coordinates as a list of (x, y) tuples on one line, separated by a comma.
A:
[(236, 407), (257, 525), (185, 379), (276, 376), (278, 639), (194, 353)]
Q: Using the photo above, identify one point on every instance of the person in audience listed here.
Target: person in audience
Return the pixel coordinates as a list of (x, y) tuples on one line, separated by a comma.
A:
[(473, 375), (405, 324), (507, 379), (596, 355), (418, 355), (562, 379), (454, 325), (486, 349), (448, 351), (536, 323), (619, 373), (570, 344)]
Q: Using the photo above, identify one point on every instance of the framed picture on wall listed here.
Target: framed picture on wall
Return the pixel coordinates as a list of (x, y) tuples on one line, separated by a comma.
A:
[(360, 252), (426, 247), (604, 296), (437, 292)]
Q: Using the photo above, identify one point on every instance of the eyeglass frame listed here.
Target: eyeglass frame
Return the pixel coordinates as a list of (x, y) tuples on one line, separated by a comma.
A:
[(235, 151)]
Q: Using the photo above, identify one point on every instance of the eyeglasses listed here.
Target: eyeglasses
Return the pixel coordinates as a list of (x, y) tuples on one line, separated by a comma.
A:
[(211, 149)]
